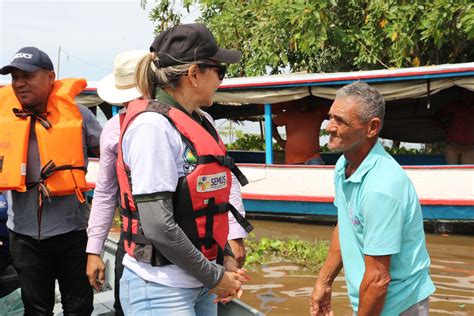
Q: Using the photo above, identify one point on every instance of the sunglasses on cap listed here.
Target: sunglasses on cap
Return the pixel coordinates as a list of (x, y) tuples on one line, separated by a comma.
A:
[(221, 69)]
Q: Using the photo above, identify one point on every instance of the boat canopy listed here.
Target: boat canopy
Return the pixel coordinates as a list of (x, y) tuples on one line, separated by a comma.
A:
[(390, 90), (394, 84), (413, 96)]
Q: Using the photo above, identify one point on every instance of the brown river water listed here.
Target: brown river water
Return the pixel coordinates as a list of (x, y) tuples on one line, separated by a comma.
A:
[(283, 288)]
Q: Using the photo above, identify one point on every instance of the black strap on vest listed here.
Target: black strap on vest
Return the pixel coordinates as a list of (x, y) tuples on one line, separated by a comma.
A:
[(220, 252), (128, 214), (240, 219), (225, 161), (210, 210), (23, 114), (220, 256), (130, 237), (213, 209), (43, 192)]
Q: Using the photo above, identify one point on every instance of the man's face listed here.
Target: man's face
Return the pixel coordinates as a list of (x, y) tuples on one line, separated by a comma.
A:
[(346, 130), (32, 88)]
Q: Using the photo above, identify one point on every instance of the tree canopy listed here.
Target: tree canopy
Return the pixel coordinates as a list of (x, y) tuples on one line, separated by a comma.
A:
[(333, 35)]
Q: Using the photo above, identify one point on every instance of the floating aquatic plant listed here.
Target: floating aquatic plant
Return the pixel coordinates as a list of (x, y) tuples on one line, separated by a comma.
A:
[(310, 255)]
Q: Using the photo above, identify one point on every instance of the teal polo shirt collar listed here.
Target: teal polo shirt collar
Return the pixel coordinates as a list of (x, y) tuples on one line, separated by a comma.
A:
[(367, 164)]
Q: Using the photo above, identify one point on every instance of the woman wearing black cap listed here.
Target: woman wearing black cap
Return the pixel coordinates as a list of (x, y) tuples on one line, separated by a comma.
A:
[(175, 181)]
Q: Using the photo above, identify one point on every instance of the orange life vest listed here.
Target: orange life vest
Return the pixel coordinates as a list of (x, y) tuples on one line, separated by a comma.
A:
[(59, 135)]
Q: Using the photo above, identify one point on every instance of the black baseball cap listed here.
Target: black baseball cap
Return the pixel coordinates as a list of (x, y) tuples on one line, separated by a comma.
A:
[(187, 43), (29, 59)]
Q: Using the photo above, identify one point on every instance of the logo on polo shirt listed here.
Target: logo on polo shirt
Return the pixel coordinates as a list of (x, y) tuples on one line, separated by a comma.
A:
[(354, 219)]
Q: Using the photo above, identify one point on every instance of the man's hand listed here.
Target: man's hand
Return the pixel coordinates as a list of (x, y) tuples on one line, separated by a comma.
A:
[(238, 248), (95, 271), (320, 300)]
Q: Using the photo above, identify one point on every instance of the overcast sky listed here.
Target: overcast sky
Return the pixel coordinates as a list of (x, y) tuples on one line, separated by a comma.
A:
[(90, 33)]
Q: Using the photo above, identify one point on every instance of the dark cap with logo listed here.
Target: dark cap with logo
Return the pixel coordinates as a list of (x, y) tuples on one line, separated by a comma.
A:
[(188, 43), (28, 59)]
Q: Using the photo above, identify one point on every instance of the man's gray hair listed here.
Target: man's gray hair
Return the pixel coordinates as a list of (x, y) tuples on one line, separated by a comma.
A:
[(370, 101)]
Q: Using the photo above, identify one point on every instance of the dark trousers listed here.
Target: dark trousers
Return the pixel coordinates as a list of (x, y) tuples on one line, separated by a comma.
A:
[(40, 263), (119, 254)]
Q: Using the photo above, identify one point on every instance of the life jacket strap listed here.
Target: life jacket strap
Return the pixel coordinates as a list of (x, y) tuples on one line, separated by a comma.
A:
[(39, 212), (211, 210), (43, 192), (220, 250), (128, 214), (240, 176), (225, 161), (23, 114), (240, 219), (220, 255), (128, 235)]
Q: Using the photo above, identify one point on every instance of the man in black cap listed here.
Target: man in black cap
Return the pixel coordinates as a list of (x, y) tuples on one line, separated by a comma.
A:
[(34, 64), (49, 214)]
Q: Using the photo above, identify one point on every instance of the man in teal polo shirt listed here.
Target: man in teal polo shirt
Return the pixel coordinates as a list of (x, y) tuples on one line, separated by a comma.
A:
[(379, 238)]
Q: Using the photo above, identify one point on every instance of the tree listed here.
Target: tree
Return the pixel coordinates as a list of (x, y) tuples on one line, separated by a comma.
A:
[(334, 35)]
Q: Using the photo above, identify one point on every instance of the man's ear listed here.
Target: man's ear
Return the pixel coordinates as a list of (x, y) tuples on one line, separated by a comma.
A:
[(51, 77), (375, 125)]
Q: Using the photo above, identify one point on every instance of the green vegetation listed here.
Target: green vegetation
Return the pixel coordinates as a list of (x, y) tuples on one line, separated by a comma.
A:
[(310, 255), (332, 35), (254, 142), (251, 142), (430, 149)]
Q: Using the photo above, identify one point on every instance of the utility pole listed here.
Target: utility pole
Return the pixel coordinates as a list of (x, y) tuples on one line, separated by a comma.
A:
[(59, 61)]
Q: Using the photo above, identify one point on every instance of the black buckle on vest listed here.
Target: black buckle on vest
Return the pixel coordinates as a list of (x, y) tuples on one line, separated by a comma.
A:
[(216, 209), (226, 161)]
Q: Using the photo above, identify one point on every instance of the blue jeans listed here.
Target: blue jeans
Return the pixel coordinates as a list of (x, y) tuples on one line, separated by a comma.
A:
[(140, 297)]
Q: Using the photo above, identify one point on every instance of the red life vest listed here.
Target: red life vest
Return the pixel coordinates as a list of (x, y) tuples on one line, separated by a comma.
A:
[(201, 200)]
